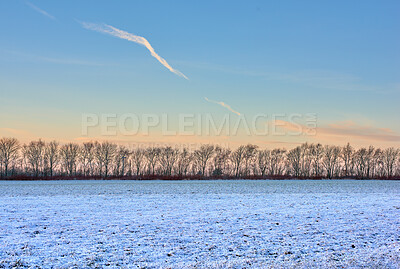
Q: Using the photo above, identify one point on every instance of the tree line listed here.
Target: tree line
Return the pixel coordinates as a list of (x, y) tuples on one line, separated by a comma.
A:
[(47, 160)]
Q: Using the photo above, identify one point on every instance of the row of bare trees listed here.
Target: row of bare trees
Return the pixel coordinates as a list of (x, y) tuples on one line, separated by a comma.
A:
[(94, 159)]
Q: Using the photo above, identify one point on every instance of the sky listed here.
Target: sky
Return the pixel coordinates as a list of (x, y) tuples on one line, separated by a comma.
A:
[(337, 61)]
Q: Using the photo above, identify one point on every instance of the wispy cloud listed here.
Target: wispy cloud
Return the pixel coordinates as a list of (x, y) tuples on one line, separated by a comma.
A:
[(313, 79), (223, 105), (41, 11), (108, 29), (348, 131), (38, 58), (351, 129), (17, 132)]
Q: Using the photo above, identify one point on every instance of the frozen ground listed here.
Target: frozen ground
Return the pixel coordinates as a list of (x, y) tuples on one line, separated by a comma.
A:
[(224, 224)]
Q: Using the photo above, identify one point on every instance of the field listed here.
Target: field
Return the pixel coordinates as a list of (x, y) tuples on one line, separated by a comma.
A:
[(218, 224)]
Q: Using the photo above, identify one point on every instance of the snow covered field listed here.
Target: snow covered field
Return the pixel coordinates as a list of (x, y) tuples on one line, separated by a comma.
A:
[(238, 224)]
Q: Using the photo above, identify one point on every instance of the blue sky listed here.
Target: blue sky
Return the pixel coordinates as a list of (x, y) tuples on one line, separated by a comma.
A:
[(338, 59)]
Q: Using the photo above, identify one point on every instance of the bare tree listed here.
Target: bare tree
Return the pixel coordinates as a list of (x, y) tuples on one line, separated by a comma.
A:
[(51, 156), (137, 158), (330, 160), (104, 154), (237, 158), (376, 164), (87, 155), (360, 161), (8, 152), (249, 157), (347, 156), (69, 155), (305, 160), (120, 160), (264, 160), (294, 158), (389, 159), (104, 159), (168, 157), (152, 155), (316, 152), (183, 163), (369, 160), (34, 152), (220, 160), (203, 155), (276, 165)]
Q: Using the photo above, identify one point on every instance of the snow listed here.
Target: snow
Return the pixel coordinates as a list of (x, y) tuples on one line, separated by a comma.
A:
[(218, 224)]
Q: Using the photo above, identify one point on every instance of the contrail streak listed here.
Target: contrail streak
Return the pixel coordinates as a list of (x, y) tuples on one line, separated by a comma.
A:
[(108, 29), (223, 105), (40, 10)]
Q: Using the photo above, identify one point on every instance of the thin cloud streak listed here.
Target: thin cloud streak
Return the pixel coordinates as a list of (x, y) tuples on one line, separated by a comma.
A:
[(347, 130), (41, 11), (321, 79), (38, 58), (108, 29), (223, 105)]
